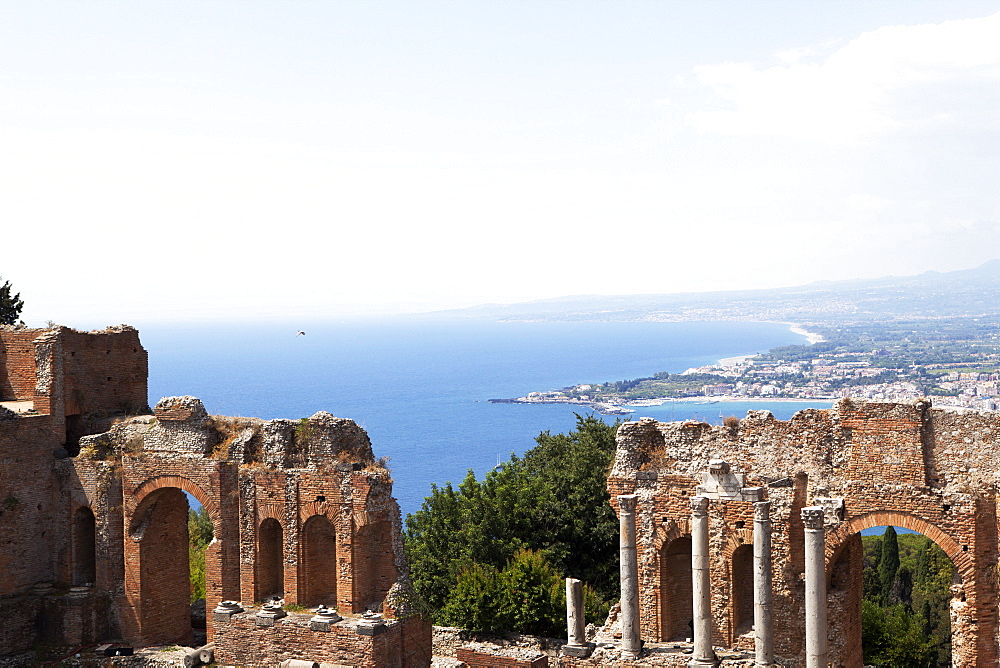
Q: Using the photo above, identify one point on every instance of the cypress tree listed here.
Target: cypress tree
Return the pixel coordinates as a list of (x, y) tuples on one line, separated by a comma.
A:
[(888, 564)]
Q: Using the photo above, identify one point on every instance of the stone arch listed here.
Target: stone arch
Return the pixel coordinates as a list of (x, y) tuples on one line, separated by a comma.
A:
[(667, 532), (837, 538), (157, 573), (737, 554), (135, 500), (741, 590), (844, 565), (735, 539), (318, 562), (674, 579), (310, 508), (270, 570)]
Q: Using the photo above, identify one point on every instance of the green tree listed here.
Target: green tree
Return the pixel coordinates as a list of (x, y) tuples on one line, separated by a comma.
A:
[(532, 596), (10, 305), (199, 536), (894, 637), (553, 503), (888, 565), (528, 595)]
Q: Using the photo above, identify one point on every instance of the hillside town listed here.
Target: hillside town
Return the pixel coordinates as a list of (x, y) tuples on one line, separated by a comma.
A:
[(970, 380), (832, 377)]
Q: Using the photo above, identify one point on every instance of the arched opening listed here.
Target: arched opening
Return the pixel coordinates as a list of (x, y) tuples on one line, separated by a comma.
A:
[(270, 565), (166, 567), (891, 590), (84, 547), (161, 526), (676, 607), (742, 589), (318, 580)]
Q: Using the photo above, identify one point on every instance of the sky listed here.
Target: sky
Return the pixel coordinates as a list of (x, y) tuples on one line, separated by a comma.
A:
[(211, 160)]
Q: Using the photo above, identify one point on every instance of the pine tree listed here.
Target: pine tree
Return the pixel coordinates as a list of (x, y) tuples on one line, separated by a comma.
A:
[(10, 306)]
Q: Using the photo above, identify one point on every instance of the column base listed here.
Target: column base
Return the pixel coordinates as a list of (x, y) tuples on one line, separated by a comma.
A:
[(703, 663), (578, 651)]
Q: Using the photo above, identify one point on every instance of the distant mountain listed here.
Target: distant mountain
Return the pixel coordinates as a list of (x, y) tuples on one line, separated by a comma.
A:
[(964, 293)]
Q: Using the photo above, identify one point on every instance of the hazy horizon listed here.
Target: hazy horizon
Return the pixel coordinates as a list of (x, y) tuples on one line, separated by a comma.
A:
[(188, 161)]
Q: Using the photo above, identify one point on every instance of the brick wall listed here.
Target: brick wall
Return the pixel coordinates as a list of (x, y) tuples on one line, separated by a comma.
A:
[(104, 371), (17, 363), (240, 641)]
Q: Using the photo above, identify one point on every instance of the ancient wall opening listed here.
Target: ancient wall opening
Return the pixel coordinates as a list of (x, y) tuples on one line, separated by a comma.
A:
[(373, 548), (318, 579), (896, 594), (161, 526), (742, 589), (675, 590), (270, 563), (84, 551)]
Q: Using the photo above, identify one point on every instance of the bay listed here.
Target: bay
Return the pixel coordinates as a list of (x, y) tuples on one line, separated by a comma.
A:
[(420, 385)]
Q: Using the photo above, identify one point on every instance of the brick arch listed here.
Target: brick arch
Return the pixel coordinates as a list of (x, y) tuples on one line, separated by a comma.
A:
[(274, 511), (838, 537), (310, 508), (136, 498), (665, 534), (318, 562), (735, 539)]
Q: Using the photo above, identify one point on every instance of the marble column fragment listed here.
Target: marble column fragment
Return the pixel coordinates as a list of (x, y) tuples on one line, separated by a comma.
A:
[(816, 625), (629, 616), (762, 611), (574, 612), (701, 585), (576, 638)]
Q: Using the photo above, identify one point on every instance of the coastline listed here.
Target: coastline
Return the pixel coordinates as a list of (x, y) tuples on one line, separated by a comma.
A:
[(722, 399), (620, 407), (811, 337)]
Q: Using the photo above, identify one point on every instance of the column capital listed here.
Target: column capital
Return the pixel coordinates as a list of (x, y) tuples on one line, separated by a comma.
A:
[(626, 503), (812, 517), (699, 504), (762, 511)]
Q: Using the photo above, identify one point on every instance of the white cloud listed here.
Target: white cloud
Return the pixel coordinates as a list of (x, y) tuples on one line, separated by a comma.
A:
[(852, 94)]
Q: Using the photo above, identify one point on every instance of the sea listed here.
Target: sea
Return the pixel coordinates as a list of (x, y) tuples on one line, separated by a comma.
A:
[(420, 385)]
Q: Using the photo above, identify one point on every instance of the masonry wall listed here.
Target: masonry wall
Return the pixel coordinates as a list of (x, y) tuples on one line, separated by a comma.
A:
[(17, 363), (398, 644), (325, 531), (905, 465), (104, 371)]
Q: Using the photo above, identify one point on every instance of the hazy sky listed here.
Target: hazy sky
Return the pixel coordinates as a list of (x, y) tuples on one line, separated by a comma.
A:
[(193, 160)]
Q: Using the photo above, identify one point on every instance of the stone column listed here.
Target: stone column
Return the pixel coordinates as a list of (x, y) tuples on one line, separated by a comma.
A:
[(574, 612), (631, 643), (816, 627), (576, 638), (701, 585), (762, 629)]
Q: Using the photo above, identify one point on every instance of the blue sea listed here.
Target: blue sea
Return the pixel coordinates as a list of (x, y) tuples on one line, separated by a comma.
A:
[(420, 385)]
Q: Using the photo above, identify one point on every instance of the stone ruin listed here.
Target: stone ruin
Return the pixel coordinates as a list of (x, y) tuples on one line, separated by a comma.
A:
[(748, 536), (93, 518)]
